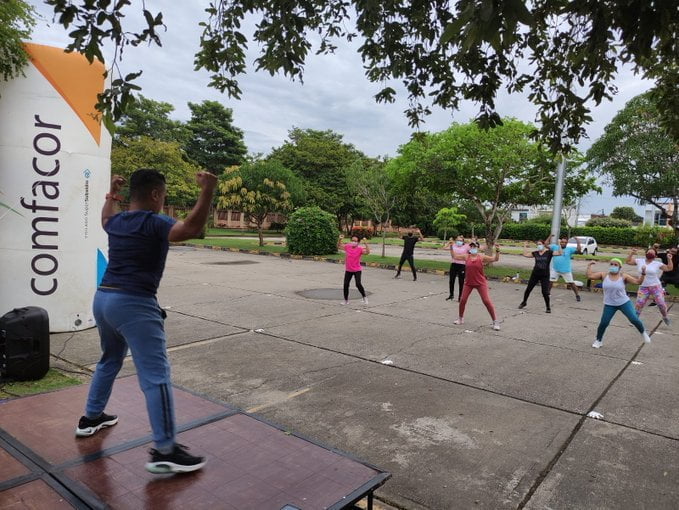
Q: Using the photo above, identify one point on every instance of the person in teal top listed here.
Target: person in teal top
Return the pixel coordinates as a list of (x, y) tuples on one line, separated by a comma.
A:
[(561, 264)]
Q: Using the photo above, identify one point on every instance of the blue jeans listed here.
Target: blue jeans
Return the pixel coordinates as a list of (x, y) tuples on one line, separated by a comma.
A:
[(609, 311), (135, 322)]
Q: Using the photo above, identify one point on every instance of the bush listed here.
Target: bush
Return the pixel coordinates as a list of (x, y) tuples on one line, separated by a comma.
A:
[(362, 232), (545, 219), (311, 231), (608, 222)]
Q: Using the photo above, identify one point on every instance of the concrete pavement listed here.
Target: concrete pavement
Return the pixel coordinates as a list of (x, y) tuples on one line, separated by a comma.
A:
[(463, 416)]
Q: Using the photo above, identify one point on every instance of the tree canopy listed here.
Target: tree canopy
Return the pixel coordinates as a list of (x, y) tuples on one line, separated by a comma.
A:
[(496, 170), (166, 157), (16, 23), (639, 158), (563, 54), (147, 117), (214, 142)]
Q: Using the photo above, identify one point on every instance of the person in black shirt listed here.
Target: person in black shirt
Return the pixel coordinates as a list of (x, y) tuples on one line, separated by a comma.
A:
[(543, 256), (409, 241), (670, 277)]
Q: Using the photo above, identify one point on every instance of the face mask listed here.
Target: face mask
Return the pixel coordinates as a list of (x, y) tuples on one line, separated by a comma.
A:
[(541, 247), (474, 251), (650, 255), (459, 243), (614, 269)]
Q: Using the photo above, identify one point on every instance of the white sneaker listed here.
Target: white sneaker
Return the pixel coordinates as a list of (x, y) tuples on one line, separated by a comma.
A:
[(365, 300), (647, 338), (345, 302), (597, 344), (667, 320), (459, 321), (496, 325)]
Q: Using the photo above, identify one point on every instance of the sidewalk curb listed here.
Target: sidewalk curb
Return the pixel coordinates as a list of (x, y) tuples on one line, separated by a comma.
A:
[(391, 267)]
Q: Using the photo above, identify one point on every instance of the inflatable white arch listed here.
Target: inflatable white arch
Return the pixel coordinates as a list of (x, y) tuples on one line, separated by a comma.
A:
[(54, 174)]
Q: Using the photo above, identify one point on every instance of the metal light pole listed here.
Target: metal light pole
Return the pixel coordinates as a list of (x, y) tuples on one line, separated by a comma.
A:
[(558, 199)]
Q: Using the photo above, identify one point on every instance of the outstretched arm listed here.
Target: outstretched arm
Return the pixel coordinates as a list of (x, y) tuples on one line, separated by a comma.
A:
[(631, 279), (195, 221), (339, 242), (670, 263), (487, 259), (630, 258), (367, 247), (526, 252)]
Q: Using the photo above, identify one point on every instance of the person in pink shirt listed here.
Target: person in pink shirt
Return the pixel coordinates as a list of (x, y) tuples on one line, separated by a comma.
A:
[(352, 261), (457, 267)]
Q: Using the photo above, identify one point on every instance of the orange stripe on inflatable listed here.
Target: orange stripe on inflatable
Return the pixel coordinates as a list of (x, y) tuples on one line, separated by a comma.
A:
[(76, 80)]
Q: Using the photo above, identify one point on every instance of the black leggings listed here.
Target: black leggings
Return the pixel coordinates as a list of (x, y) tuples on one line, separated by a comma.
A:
[(533, 281), (347, 280), (411, 261), (456, 270)]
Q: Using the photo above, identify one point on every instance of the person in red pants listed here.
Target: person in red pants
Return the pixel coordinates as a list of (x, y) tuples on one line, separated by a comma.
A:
[(475, 278)]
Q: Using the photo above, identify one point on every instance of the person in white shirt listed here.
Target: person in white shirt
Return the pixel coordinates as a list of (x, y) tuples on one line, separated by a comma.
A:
[(651, 286), (616, 299)]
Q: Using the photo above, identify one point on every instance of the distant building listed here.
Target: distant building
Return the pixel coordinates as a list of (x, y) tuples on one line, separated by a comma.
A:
[(653, 216)]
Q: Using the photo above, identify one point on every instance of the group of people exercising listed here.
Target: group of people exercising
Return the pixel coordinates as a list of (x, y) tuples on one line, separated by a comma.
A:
[(551, 262)]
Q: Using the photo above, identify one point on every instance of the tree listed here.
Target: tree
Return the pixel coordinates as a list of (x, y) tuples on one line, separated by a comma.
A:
[(448, 219), (16, 24), (258, 189), (564, 54), (167, 157), (368, 179), (321, 159), (146, 117), (626, 213), (638, 157), (496, 169), (214, 143)]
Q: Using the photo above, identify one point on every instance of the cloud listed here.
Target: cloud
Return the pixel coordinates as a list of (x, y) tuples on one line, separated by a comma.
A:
[(336, 95)]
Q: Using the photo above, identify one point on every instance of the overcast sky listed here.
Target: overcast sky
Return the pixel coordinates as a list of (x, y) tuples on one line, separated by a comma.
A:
[(335, 94)]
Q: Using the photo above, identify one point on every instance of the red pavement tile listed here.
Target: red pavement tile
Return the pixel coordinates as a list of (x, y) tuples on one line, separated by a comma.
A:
[(10, 467), (33, 495)]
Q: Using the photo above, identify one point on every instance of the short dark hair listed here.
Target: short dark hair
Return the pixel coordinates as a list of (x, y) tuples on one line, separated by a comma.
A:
[(143, 181), (564, 236)]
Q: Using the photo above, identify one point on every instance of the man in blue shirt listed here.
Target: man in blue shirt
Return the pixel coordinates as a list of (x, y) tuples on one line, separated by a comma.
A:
[(561, 264), (128, 315)]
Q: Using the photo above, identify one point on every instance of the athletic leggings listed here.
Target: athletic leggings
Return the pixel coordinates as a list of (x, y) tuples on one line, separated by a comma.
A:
[(411, 262), (533, 281), (658, 294), (485, 297), (609, 311), (347, 280), (456, 270)]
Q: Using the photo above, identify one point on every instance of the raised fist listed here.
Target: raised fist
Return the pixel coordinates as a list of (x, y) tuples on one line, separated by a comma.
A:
[(206, 181), (117, 183)]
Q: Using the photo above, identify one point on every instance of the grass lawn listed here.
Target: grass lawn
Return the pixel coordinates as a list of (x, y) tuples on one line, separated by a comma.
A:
[(53, 380), (494, 271), (231, 232)]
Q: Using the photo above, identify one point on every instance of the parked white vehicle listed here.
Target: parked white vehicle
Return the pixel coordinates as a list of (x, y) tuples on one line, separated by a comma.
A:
[(588, 244)]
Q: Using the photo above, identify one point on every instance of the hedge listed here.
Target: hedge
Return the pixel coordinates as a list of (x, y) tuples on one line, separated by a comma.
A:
[(641, 236)]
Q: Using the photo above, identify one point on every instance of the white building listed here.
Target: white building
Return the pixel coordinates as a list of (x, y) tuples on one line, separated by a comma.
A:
[(653, 216)]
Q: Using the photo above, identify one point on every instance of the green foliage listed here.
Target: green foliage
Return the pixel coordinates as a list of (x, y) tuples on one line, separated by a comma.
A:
[(362, 232), (638, 157), (321, 159), (167, 157), (258, 189), (616, 236), (370, 183), (495, 170), (562, 55), (447, 221), (146, 117), (608, 222), (215, 143), (626, 213), (16, 24), (311, 231)]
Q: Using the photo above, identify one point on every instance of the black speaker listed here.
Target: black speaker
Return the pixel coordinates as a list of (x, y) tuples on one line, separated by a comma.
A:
[(25, 344)]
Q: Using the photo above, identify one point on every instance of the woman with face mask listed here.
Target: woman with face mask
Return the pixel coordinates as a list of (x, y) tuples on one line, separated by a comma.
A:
[(352, 261), (457, 267), (616, 299), (651, 287), (543, 256), (476, 279)]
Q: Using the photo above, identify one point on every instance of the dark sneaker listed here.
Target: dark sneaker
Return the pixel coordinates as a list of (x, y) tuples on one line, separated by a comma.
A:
[(548, 310), (87, 427), (577, 298), (179, 461), (522, 305)]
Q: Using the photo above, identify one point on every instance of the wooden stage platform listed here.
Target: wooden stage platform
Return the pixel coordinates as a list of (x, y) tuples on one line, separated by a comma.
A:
[(251, 464)]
